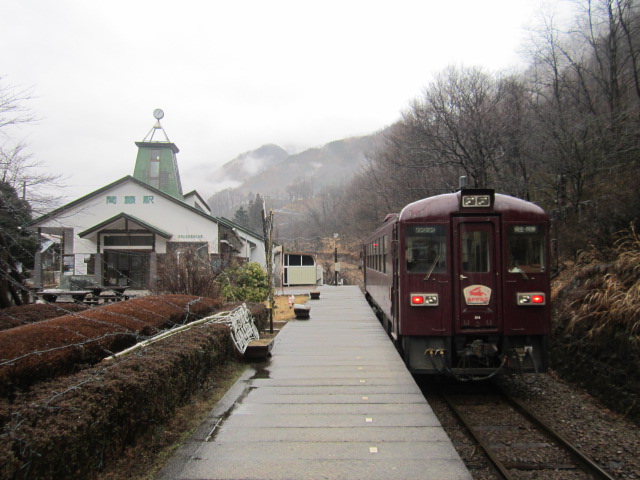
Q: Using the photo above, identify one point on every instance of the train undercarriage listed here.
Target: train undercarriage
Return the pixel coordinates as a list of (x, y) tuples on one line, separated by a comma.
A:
[(474, 357)]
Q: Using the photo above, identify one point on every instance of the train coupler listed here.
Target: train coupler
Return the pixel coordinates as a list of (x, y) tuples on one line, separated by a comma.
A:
[(480, 349)]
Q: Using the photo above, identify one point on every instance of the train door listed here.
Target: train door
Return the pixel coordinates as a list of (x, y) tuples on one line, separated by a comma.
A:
[(477, 294), (395, 306)]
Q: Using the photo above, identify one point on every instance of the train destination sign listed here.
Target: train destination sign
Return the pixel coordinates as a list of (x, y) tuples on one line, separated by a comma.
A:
[(525, 228)]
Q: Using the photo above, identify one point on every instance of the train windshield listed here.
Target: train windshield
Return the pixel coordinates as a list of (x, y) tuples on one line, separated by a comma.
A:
[(526, 248), (426, 249)]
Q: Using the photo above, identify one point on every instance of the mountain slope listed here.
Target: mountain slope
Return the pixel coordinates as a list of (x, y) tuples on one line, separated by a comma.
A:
[(331, 164), (249, 164), (271, 172)]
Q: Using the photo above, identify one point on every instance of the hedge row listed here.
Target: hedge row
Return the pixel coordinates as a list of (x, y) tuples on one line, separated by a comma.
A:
[(36, 312), (72, 426), (62, 345)]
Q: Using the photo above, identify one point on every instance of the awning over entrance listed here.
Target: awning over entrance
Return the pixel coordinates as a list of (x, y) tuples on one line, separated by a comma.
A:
[(121, 222)]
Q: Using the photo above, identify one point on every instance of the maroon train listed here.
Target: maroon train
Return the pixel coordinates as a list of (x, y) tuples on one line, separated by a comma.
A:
[(460, 282)]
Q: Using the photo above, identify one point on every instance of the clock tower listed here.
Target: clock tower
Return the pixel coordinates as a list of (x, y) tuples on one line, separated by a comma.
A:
[(156, 163)]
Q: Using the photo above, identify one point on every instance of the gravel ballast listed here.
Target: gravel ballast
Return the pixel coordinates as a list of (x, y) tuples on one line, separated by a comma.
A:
[(609, 438)]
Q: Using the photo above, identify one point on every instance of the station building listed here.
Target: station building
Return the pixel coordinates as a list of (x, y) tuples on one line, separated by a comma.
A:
[(296, 269), (115, 235)]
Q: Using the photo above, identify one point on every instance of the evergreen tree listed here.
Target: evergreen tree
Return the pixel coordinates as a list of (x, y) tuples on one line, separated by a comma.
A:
[(17, 244), (241, 217), (255, 214)]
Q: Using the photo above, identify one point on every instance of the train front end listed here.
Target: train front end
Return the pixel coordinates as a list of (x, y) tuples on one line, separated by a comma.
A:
[(473, 295)]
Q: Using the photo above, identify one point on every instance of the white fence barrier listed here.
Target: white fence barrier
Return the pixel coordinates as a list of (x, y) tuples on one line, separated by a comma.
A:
[(243, 330)]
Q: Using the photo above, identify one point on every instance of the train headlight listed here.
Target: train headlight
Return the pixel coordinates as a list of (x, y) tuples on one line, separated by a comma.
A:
[(535, 298), (424, 300)]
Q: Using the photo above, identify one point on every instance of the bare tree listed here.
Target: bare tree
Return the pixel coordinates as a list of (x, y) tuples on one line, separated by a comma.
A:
[(586, 108), (467, 122), (21, 184), (19, 169), (564, 133), (13, 106)]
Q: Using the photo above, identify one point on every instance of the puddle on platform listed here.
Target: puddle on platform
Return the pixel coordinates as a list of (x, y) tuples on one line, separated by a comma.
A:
[(222, 418), (261, 371)]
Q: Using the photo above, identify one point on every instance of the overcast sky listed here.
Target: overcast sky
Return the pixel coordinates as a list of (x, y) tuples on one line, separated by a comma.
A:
[(233, 75)]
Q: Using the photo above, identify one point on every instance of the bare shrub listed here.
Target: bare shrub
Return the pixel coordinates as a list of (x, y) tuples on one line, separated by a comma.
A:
[(187, 271)]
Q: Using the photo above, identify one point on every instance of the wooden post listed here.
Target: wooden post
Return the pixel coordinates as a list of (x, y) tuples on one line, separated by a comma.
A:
[(267, 230)]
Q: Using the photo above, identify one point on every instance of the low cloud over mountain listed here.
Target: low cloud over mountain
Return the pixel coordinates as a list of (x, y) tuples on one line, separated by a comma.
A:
[(272, 172)]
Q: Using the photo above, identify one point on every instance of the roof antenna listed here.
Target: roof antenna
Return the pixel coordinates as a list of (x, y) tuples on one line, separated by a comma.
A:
[(462, 182)]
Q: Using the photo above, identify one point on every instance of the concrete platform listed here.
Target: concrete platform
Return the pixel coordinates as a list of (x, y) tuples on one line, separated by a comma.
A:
[(335, 401)]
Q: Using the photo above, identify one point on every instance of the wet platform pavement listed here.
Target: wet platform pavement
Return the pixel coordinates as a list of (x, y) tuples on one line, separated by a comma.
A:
[(334, 401)]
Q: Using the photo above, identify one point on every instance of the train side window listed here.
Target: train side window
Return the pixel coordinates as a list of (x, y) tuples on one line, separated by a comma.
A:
[(426, 249), (384, 254), (375, 255), (526, 245)]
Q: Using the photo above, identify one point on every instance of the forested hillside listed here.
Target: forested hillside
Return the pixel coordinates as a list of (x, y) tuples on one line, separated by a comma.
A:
[(564, 133), (283, 178)]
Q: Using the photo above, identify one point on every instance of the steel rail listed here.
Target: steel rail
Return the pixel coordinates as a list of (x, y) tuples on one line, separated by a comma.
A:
[(583, 460), (500, 467)]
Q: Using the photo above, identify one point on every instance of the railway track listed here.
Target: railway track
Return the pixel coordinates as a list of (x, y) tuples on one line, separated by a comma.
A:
[(516, 442)]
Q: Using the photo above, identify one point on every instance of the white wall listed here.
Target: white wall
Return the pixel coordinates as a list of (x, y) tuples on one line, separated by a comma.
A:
[(184, 224)]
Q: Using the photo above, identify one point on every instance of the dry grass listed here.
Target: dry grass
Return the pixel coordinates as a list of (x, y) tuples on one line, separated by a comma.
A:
[(283, 312), (609, 297)]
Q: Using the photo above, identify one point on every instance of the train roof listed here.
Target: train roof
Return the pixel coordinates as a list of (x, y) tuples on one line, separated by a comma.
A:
[(440, 207)]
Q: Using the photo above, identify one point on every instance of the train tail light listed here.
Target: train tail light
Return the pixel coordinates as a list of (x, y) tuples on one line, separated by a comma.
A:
[(531, 299), (424, 300)]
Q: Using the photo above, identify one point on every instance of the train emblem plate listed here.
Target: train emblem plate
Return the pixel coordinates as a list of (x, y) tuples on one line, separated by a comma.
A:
[(477, 295)]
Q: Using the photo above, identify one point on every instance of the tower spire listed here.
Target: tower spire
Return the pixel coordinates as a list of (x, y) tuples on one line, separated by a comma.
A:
[(156, 163)]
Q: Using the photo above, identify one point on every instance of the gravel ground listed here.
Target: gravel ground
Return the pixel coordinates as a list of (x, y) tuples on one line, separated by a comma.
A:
[(605, 436)]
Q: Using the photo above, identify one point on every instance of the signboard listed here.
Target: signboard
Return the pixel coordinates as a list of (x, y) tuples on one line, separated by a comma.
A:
[(477, 295), (68, 264), (80, 267)]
